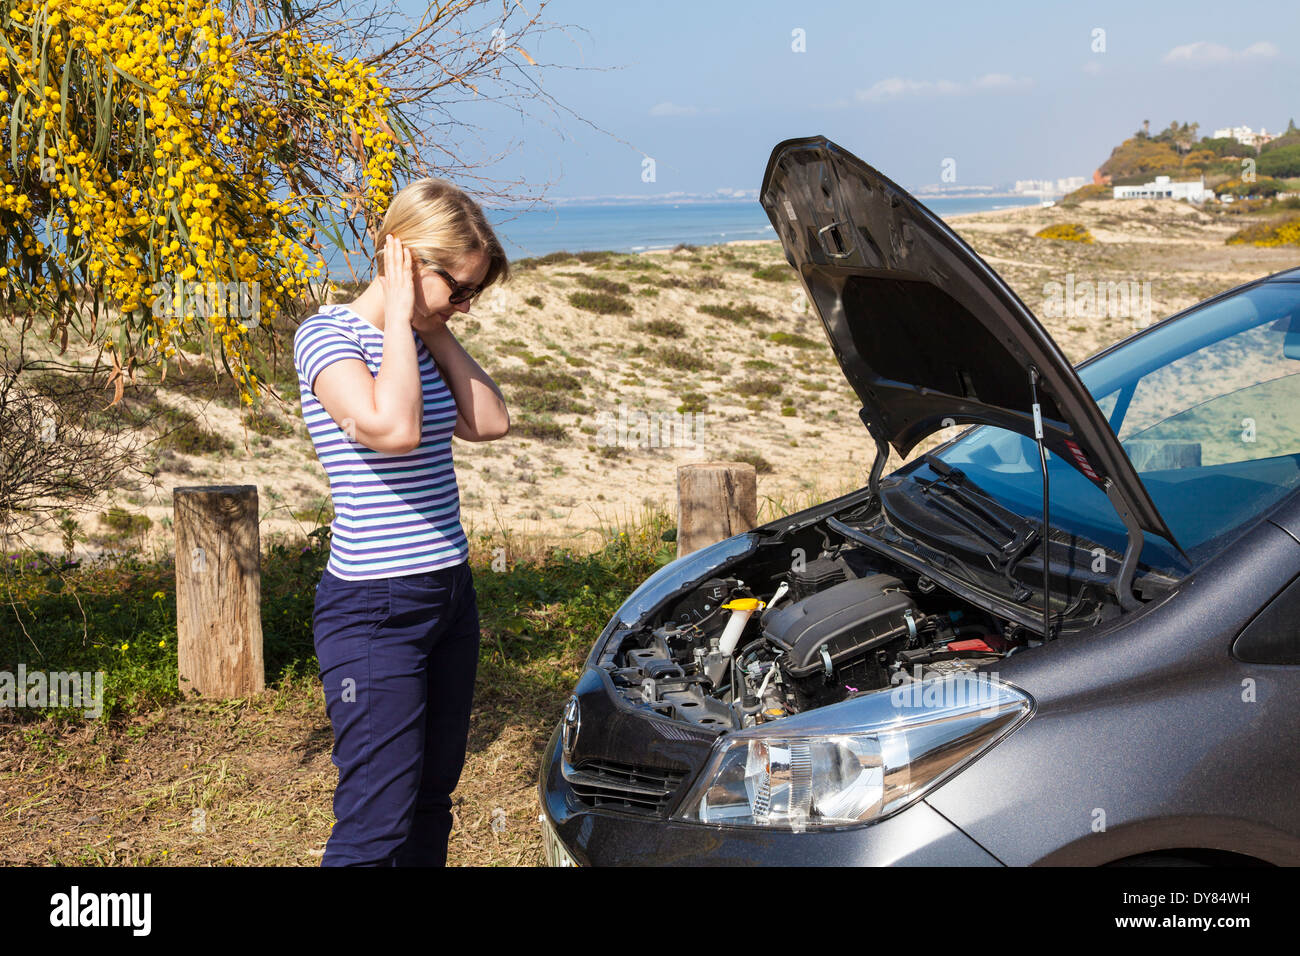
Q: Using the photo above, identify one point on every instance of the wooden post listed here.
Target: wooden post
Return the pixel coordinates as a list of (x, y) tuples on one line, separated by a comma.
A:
[(715, 499), (218, 591)]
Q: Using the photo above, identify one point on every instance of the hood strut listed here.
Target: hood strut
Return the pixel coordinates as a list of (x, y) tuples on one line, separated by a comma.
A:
[(882, 457), (1122, 586), (1047, 527)]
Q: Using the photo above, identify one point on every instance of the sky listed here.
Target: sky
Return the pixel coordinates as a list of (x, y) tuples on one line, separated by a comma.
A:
[(1003, 91)]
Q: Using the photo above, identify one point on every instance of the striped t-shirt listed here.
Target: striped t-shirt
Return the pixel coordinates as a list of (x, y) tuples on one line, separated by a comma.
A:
[(393, 514)]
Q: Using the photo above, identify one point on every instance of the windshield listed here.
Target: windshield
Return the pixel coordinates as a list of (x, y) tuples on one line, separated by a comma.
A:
[(1205, 408)]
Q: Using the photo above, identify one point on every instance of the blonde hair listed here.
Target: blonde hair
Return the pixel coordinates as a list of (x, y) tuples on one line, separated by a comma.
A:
[(441, 224)]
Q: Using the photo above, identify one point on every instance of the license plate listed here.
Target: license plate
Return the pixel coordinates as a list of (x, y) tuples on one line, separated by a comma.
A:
[(553, 851)]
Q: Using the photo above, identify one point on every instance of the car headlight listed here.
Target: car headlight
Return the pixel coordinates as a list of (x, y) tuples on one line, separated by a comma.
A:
[(857, 761)]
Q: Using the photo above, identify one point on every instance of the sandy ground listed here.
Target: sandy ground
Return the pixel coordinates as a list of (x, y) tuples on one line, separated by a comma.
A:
[(524, 492), (248, 782)]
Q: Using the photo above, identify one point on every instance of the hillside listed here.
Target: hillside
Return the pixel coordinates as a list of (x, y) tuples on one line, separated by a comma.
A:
[(714, 332)]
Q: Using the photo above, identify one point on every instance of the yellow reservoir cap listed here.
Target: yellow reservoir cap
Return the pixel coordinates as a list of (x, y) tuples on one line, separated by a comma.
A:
[(743, 604)]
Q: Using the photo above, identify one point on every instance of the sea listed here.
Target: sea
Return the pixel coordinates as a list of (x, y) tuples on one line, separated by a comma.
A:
[(637, 227)]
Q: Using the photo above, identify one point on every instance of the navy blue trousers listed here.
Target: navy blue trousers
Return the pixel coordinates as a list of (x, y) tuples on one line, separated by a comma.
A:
[(397, 657)]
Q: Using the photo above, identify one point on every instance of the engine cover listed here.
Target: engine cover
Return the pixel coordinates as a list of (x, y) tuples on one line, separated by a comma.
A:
[(848, 620)]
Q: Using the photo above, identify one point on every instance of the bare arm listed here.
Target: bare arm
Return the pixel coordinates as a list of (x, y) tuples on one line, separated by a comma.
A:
[(384, 412), (481, 413)]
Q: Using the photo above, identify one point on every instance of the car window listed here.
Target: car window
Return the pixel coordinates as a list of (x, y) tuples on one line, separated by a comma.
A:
[(1231, 401), (1205, 408)]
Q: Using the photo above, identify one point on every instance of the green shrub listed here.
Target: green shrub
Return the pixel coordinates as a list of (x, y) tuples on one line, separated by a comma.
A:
[(758, 386), (682, 359), (1066, 231), (600, 283), (541, 400), (789, 338), (740, 313), (1283, 231), (541, 429), (666, 328), (602, 303), (534, 300), (184, 434), (761, 464), (124, 522), (551, 380), (694, 402), (775, 273), (266, 423)]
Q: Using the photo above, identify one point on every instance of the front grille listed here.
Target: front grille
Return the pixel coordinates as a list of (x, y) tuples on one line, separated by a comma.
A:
[(620, 786)]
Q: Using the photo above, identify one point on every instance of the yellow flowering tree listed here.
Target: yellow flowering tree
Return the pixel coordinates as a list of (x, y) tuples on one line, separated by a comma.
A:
[(155, 152), (166, 164)]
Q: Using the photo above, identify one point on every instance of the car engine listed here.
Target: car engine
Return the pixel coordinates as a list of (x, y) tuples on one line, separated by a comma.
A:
[(770, 640)]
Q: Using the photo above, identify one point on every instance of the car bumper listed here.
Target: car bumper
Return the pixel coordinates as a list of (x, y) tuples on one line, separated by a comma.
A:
[(918, 836)]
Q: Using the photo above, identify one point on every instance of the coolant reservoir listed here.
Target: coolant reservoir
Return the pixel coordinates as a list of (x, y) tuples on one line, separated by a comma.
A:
[(741, 609)]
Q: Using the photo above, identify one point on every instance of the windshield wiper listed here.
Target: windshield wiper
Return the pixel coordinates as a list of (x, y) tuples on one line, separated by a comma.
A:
[(1012, 536)]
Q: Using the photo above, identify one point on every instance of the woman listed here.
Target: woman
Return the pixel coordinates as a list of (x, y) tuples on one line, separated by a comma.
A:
[(384, 387)]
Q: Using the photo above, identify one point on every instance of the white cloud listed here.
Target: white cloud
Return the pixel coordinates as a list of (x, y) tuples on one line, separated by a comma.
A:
[(1203, 53), (1001, 81), (896, 86)]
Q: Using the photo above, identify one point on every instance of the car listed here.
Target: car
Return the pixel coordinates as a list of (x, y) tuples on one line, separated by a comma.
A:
[(1068, 636)]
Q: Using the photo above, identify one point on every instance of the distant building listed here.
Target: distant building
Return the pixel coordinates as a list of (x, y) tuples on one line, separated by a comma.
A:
[(1047, 187), (1245, 135), (1162, 188)]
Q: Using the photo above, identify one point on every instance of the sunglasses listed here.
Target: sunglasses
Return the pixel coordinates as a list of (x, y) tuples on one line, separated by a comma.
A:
[(459, 293)]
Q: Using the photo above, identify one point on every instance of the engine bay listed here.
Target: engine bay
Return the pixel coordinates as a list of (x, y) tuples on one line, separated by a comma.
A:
[(805, 621)]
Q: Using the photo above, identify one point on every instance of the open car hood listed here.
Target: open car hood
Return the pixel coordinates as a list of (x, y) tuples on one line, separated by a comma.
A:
[(926, 332)]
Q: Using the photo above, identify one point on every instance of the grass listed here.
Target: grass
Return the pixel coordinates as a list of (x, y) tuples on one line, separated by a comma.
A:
[(159, 780)]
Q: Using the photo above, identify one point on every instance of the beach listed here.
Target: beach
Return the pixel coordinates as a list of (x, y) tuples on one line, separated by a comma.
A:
[(606, 407)]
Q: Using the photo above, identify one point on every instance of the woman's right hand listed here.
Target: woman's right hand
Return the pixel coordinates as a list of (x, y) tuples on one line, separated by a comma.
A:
[(399, 282), (384, 411)]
